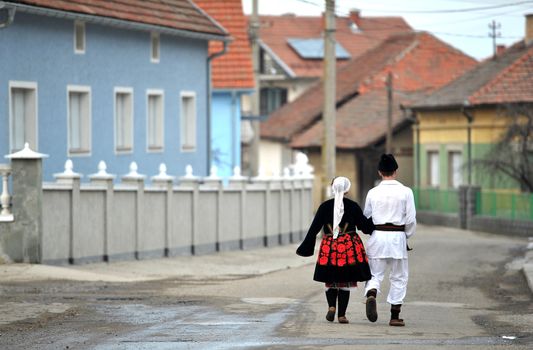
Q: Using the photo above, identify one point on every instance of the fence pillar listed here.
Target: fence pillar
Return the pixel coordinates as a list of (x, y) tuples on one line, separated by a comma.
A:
[(167, 182), (463, 200), (192, 182), (27, 199), (471, 204)]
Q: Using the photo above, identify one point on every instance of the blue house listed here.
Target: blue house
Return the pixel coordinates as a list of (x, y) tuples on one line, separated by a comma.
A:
[(232, 79), (117, 81)]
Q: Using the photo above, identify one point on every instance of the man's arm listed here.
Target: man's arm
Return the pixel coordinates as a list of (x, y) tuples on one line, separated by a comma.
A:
[(368, 205), (410, 214)]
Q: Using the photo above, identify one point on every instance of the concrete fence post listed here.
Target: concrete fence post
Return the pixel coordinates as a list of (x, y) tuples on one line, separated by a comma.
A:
[(73, 180), (102, 178), (27, 229), (239, 181), (214, 181), (167, 182), (136, 180), (192, 181), (471, 204), (463, 204)]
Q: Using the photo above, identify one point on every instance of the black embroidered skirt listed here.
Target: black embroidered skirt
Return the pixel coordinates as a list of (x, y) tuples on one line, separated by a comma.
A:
[(342, 260)]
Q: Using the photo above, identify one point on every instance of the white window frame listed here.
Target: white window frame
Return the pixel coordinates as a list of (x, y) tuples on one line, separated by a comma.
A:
[(184, 123), (161, 93), (81, 152), (81, 26), (155, 39), (451, 171), (29, 85), (128, 148), (430, 171)]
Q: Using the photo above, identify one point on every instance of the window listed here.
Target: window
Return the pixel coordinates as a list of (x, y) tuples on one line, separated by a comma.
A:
[(123, 119), (23, 115), (79, 120), (455, 176), (433, 168), (79, 37), (188, 121), (155, 121), (155, 47), (272, 99)]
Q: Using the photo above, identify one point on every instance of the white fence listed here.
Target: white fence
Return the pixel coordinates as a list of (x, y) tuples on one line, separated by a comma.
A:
[(132, 218)]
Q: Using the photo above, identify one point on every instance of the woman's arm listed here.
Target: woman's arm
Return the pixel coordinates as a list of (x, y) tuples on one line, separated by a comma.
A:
[(363, 223), (307, 247)]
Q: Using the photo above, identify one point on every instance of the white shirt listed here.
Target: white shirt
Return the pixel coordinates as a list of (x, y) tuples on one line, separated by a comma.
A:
[(390, 202)]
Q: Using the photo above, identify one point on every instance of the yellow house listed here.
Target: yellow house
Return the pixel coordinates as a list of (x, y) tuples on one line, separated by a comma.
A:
[(465, 118)]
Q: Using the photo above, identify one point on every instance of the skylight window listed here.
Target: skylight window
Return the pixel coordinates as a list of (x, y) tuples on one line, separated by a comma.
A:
[(314, 49)]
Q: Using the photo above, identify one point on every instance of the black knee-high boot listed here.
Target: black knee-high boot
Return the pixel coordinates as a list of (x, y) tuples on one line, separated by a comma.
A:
[(331, 296), (344, 298)]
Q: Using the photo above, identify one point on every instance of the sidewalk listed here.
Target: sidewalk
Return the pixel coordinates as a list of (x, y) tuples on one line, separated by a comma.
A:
[(224, 265)]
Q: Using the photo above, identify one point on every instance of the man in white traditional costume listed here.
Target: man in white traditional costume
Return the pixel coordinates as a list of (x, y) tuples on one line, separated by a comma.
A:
[(392, 209)]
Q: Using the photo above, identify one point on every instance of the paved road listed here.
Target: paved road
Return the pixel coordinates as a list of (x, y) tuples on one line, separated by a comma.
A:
[(465, 292)]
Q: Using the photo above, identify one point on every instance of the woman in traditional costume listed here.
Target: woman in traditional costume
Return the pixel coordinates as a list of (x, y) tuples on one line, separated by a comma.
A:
[(342, 260)]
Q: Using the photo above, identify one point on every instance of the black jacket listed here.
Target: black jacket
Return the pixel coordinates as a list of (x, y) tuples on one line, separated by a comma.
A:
[(353, 217)]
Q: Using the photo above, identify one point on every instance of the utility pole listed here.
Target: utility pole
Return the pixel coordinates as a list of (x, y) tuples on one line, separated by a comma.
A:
[(388, 143), (254, 37), (328, 112), (493, 26)]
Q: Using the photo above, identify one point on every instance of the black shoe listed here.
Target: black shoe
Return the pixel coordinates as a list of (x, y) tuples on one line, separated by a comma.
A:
[(330, 316), (371, 309)]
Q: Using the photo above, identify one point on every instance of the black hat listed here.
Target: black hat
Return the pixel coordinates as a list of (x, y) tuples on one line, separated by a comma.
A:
[(387, 163)]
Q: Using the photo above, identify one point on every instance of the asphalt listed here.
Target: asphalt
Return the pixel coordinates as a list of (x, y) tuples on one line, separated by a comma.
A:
[(222, 265)]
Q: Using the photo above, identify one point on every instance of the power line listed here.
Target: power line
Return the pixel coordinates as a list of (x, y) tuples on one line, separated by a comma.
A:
[(471, 9)]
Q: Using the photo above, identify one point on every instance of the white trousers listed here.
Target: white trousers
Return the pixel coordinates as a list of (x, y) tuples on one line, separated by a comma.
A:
[(398, 277)]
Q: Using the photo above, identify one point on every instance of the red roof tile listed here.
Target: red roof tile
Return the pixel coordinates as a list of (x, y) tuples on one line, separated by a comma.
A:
[(419, 63), (275, 30), (512, 84), (506, 78), (360, 122), (174, 14), (234, 69)]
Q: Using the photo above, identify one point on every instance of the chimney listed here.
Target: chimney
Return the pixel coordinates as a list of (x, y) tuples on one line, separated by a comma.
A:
[(355, 15), (500, 49), (529, 29)]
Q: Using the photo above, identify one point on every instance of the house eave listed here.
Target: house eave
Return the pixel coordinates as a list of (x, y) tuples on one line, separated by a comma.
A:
[(119, 23)]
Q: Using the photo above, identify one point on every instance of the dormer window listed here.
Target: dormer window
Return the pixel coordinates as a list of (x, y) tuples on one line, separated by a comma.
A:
[(79, 37), (155, 40)]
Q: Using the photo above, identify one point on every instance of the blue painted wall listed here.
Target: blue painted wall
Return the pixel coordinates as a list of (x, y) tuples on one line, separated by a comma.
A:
[(226, 130), (40, 49)]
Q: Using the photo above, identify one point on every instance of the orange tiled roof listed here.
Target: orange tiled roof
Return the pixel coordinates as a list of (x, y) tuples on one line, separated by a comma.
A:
[(275, 30), (419, 63), (234, 69), (360, 122), (506, 78), (174, 14)]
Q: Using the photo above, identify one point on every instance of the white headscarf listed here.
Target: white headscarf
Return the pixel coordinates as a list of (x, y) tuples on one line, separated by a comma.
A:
[(339, 187)]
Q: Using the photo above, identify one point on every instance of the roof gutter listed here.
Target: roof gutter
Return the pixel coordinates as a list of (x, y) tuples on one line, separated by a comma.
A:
[(113, 22), (10, 14), (209, 98)]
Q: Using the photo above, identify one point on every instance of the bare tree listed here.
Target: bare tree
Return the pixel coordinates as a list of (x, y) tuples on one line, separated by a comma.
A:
[(512, 155)]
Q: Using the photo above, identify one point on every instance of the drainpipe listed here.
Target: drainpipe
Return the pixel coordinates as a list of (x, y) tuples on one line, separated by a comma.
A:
[(209, 90), (10, 14), (470, 118)]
